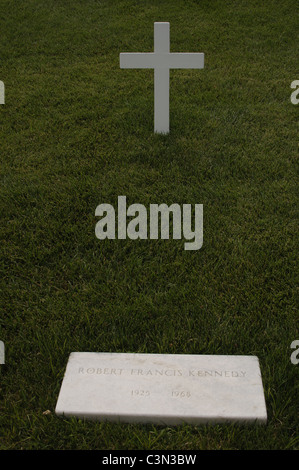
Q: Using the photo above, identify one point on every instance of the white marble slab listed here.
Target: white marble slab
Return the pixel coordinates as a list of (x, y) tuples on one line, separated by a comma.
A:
[(165, 389)]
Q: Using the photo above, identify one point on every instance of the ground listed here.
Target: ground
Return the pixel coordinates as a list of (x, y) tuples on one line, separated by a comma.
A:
[(77, 131)]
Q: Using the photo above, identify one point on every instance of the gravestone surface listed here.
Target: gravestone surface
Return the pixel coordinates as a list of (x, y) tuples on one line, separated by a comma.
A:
[(168, 389)]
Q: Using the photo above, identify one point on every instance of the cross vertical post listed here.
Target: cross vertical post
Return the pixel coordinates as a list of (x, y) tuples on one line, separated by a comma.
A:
[(161, 79)]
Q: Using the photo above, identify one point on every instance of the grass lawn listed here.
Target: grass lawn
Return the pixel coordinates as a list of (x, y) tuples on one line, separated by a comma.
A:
[(77, 131)]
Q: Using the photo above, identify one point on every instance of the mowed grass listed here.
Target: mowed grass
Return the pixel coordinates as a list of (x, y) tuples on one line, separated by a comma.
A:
[(77, 131)]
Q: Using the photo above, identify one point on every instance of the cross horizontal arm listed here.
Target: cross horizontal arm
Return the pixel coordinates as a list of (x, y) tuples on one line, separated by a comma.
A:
[(152, 60), (184, 60), (137, 60)]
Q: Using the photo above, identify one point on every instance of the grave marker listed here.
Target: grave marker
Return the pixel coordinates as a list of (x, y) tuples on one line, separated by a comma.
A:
[(166, 389), (161, 60)]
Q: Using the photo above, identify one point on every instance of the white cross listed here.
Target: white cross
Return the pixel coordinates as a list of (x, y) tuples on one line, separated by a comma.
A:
[(161, 60)]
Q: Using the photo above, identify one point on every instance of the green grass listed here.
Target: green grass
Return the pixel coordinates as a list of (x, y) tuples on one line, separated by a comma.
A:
[(77, 131)]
